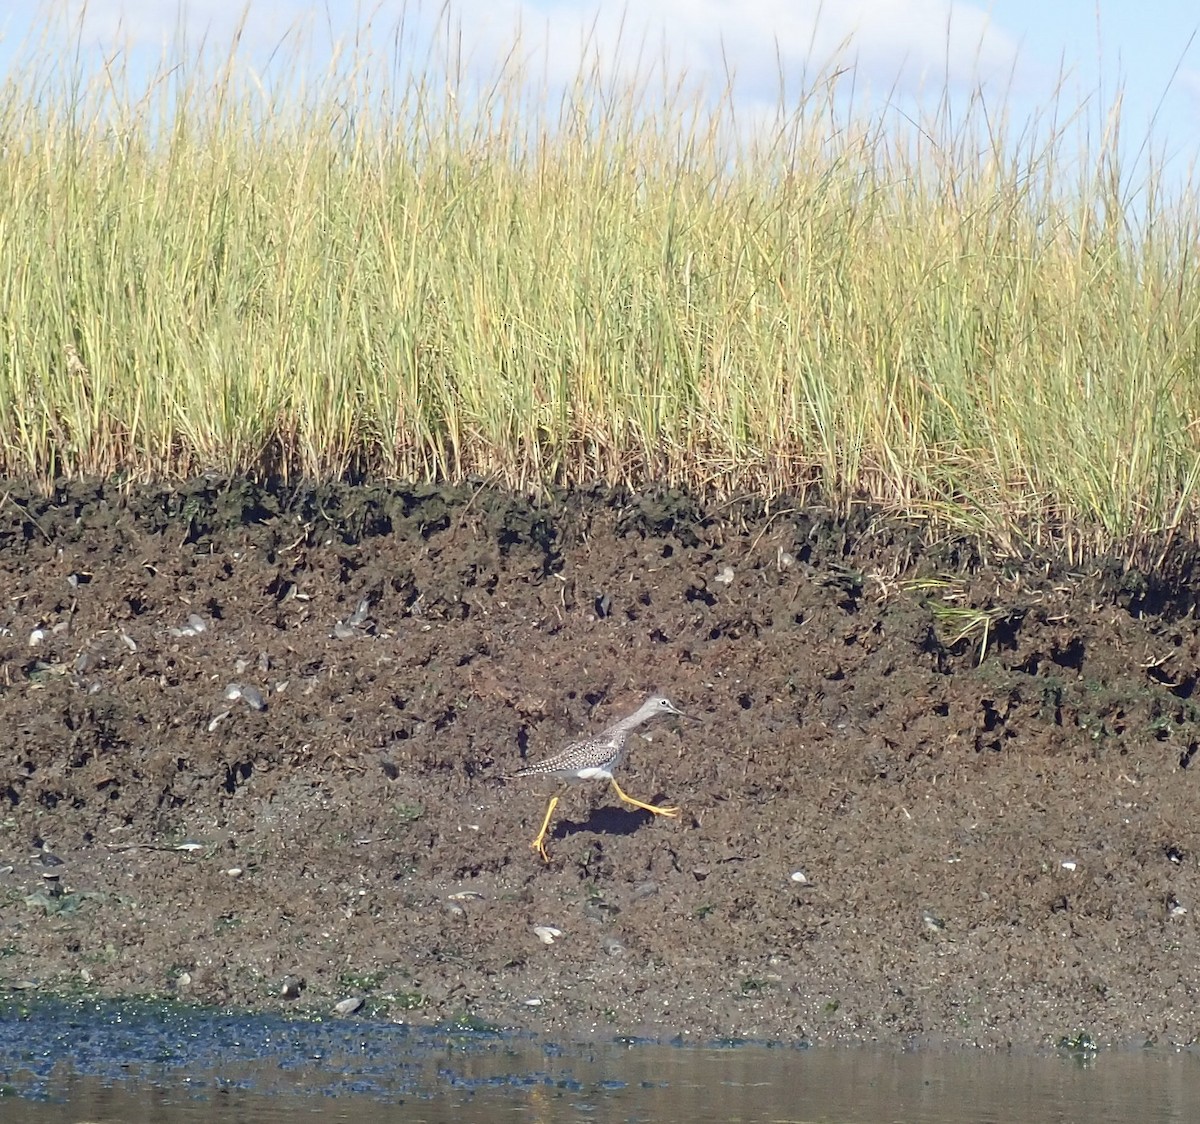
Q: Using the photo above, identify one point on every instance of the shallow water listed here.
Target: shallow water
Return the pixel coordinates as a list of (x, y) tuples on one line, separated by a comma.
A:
[(134, 1063)]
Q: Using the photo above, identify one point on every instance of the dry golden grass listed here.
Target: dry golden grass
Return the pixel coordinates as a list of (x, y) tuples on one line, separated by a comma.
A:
[(958, 323)]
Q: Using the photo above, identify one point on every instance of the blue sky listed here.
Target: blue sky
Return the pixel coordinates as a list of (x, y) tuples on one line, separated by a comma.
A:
[(914, 49)]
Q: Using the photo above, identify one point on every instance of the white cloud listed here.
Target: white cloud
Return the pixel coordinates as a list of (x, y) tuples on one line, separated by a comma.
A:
[(154, 24), (919, 41), (908, 44), (1189, 83)]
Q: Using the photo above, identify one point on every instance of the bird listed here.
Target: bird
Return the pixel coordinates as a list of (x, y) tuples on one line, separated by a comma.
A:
[(597, 758)]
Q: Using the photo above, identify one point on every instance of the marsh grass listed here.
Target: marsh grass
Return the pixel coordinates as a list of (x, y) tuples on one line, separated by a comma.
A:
[(388, 275)]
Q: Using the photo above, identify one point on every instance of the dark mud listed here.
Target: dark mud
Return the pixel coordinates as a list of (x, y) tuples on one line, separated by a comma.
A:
[(981, 773)]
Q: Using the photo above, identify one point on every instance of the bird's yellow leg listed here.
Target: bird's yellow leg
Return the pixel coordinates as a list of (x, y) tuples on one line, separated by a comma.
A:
[(646, 807), (539, 844)]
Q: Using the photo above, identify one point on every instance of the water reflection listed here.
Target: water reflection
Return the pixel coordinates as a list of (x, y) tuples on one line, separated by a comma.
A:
[(130, 1064)]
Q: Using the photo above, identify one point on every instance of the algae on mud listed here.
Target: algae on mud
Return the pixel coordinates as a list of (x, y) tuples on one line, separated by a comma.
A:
[(171, 1063), (1032, 794)]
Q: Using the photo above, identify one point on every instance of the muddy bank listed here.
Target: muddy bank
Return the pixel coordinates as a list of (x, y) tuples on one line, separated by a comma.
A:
[(925, 800)]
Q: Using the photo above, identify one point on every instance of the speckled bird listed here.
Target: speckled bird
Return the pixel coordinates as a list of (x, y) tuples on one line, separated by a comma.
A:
[(597, 758)]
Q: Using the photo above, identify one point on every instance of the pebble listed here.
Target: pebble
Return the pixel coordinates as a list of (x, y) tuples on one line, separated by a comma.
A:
[(85, 661), (252, 696), (196, 624), (932, 922), (799, 877)]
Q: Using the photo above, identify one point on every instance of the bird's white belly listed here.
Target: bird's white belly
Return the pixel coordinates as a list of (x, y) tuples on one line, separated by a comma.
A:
[(594, 774)]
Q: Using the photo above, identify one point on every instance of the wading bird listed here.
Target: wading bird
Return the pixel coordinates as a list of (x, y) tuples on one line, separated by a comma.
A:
[(596, 758)]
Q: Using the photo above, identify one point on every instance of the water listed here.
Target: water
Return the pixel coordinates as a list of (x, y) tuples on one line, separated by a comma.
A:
[(141, 1063)]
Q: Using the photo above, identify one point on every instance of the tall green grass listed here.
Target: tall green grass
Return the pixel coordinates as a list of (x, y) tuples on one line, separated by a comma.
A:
[(964, 322)]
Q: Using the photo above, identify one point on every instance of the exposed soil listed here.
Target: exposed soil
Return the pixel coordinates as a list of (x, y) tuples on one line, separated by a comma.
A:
[(884, 836)]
